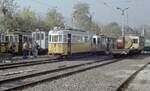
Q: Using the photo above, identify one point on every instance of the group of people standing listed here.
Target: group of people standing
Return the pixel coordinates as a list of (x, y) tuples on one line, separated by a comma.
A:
[(30, 48)]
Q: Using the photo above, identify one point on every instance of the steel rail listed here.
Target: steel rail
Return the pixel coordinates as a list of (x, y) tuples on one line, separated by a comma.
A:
[(126, 83), (53, 74)]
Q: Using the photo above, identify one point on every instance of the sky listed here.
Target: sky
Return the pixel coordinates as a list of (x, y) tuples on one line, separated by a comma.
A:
[(102, 11)]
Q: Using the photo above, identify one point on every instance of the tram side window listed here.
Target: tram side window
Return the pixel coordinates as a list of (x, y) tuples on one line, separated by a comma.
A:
[(38, 36), (49, 38), (11, 38), (2, 38), (42, 36), (98, 40), (74, 39), (24, 38), (103, 41), (86, 39), (79, 39), (16, 39), (34, 36)]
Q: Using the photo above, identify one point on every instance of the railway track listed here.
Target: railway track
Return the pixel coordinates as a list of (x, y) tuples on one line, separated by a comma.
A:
[(39, 62), (19, 82), (126, 83), (21, 64)]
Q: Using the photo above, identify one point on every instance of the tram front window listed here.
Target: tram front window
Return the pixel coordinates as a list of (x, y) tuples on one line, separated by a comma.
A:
[(55, 38), (60, 38), (65, 38)]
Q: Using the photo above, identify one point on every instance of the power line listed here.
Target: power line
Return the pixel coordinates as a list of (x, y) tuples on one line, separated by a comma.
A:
[(108, 5)]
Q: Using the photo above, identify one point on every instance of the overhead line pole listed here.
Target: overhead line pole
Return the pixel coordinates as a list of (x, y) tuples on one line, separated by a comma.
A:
[(123, 19), (123, 23)]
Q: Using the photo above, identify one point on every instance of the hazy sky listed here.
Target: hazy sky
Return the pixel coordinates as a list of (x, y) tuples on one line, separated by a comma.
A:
[(103, 11)]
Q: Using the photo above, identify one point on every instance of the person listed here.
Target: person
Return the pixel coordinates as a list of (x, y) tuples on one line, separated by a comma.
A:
[(12, 49), (29, 49), (25, 50), (35, 49)]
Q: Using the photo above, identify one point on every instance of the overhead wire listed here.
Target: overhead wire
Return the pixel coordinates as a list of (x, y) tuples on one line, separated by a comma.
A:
[(108, 6)]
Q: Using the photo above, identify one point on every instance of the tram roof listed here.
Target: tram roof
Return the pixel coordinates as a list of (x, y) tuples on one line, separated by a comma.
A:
[(64, 31), (18, 32)]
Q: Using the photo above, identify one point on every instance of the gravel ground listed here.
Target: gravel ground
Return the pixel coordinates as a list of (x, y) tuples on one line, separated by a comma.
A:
[(42, 67), (141, 81), (106, 78)]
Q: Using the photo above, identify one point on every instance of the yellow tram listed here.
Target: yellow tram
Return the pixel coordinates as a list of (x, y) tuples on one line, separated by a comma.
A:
[(72, 41), (69, 41)]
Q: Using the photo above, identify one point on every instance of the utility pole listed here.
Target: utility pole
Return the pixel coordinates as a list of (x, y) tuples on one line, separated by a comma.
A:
[(123, 19), (123, 23)]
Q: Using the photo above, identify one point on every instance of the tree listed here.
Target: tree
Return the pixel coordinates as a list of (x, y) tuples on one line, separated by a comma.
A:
[(26, 20), (7, 10), (81, 16), (112, 29), (95, 28), (53, 19), (8, 7)]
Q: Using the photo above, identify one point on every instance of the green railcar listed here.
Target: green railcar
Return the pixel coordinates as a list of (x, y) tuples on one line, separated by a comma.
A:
[(147, 45)]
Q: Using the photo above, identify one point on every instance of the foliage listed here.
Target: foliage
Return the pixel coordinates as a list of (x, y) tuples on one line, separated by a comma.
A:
[(8, 7), (81, 16), (26, 20), (7, 11), (53, 19), (112, 29), (95, 28)]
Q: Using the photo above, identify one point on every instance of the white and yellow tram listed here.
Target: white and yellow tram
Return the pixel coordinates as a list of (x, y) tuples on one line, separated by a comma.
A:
[(73, 41), (69, 41)]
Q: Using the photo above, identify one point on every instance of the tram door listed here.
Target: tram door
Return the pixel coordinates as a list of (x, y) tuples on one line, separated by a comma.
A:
[(20, 47), (69, 45), (94, 44)]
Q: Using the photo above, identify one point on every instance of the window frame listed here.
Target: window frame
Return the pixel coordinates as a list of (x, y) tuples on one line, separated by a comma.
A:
[(56, 38), (135, 41)]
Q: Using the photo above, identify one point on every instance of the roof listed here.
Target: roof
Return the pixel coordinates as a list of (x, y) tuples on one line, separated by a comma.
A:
[(66, 31)]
